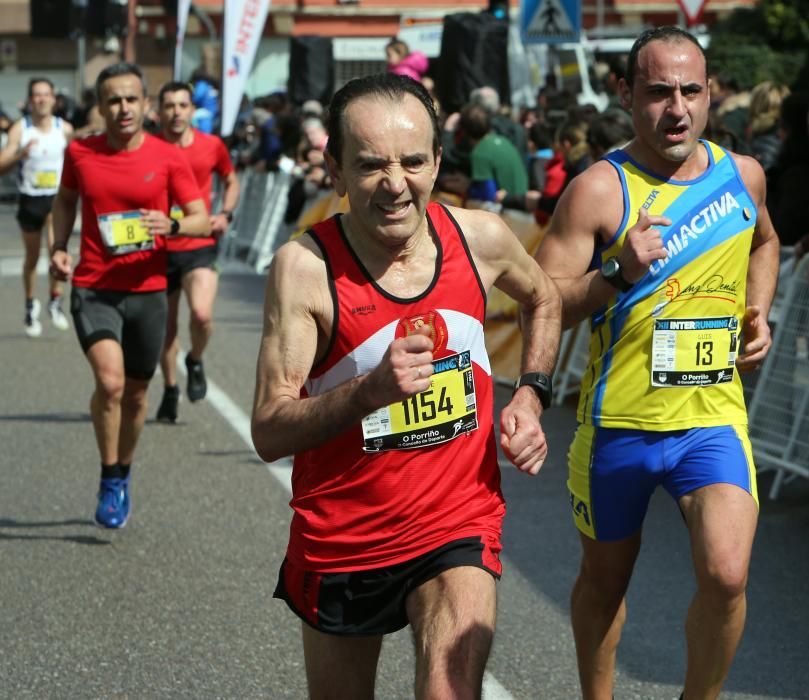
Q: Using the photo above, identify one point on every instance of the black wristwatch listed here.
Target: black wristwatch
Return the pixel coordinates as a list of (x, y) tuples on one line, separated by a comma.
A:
[(611, 271), (541, 383), (227, 214), (175, 227)]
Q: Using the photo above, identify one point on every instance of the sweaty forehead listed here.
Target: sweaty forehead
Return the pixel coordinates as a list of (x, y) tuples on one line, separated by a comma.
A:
[(378, 119), (671, 60)]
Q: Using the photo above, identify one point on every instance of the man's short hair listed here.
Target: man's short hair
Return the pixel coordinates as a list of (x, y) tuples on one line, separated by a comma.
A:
[(114, 71), (487, 98), (173, 86), (474, 122), (667, 33), (34, 81), (383, 86)]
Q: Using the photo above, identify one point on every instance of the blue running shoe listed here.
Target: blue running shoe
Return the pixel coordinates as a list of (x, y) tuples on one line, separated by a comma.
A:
[(113, 503)]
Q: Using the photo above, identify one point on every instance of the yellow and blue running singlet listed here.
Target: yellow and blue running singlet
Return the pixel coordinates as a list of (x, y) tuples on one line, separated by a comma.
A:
[(662, 354)]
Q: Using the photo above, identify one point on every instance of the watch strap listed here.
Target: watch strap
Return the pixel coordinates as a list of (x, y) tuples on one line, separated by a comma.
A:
[(541, 383)]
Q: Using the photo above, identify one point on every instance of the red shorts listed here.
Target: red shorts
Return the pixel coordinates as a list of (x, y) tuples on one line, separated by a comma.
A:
[(372, 602)]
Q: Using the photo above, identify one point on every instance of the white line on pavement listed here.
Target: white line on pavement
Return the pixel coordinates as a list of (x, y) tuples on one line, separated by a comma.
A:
[(282, 471)]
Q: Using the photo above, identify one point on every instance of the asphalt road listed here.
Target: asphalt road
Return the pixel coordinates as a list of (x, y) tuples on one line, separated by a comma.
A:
[(178, 604)]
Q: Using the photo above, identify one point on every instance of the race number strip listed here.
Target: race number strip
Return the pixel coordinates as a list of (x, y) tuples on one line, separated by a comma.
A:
[(694, 351), (123, 232), (441, 413)]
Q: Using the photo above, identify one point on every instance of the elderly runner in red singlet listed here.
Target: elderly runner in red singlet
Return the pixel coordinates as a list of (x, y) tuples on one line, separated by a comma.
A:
[(374, 374)]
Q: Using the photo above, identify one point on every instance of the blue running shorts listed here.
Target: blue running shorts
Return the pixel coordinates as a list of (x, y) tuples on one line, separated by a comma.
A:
[(614, 471)]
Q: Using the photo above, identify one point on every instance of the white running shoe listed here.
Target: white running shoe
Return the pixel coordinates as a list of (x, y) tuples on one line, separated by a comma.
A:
[(33, 328), (58, 318)]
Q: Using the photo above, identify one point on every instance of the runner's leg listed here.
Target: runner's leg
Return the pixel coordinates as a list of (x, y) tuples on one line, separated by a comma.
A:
[(107, 362), (721, 521), (133, 416), (340, 667), (200, 285), (453, 617), (171, 344), (598, 610), (32, 241)]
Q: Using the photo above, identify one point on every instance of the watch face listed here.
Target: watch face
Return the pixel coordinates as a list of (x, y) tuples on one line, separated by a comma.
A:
[(610, 268)]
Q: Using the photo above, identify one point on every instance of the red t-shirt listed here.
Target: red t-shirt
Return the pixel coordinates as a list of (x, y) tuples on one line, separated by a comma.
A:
[(110, 181), (366, 498), (206, 154)]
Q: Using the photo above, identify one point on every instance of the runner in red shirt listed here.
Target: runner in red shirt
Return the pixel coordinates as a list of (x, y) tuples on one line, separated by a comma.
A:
[(192, 260), (125, 179), (373, 372)]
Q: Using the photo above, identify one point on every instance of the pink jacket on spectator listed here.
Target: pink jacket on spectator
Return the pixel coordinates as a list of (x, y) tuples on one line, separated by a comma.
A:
[(414, 65)]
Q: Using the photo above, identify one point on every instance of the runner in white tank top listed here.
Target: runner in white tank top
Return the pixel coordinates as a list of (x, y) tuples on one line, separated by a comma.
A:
[(36, 145)]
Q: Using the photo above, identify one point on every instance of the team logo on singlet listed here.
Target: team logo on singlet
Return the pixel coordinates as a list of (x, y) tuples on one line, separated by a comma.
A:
[(714, 286), (433, 321)]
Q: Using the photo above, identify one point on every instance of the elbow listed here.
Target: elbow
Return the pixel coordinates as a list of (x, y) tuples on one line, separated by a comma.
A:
[(265, 434)]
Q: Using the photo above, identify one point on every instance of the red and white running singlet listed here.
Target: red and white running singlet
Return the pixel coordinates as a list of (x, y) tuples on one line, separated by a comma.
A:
[(421, 472)]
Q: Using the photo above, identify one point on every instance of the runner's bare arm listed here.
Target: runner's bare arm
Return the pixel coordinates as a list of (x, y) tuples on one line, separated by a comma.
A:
[(762, 273), (590, 210), (12, 154), (230, 199), (502, 261), (298, 316), (64, 217)]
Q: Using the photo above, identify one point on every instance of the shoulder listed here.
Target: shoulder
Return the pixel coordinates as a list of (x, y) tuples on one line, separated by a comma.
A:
[(483, 231), (597, 182), (299, 264), (752, 174), (67, 127)]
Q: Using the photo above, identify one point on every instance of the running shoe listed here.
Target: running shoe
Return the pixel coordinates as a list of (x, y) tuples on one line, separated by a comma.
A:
[(167, 413), (33, 328), (197, 385), (58, 318), (113, 503)]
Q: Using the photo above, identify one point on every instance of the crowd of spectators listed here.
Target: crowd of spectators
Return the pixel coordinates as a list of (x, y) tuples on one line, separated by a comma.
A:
[(495, 157)]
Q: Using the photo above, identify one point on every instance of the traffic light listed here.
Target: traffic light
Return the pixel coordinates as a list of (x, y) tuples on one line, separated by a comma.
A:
[(498, 8)]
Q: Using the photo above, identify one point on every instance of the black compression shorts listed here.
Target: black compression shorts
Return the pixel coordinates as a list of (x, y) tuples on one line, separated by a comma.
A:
[(136, 321)]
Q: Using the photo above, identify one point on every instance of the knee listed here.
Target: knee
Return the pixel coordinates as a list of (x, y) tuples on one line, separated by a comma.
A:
[(201, 317), (110, 387), (134, 397), (608, 587), (31, 258), (725, 580)]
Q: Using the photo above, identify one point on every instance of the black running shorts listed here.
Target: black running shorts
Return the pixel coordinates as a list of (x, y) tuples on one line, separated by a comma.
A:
[(371, 602), (32, 211), (183, 261), (136, 321)]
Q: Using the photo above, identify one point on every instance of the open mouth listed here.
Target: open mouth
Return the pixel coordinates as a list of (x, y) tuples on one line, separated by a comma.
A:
[(677, 133), (394, 209)]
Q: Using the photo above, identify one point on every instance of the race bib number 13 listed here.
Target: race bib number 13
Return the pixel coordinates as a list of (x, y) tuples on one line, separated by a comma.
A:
[(441, 413), (694, 351)]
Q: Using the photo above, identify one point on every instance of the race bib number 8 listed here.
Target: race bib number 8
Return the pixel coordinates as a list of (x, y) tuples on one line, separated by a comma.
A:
[(694, 351), (123, 232), (45, 179), (441, 413)]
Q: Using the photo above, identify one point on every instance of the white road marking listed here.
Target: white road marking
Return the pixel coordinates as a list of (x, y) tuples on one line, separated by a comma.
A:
[(281, 470)]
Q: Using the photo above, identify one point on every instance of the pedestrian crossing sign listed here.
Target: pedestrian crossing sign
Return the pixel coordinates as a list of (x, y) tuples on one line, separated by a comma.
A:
[(550, 21)]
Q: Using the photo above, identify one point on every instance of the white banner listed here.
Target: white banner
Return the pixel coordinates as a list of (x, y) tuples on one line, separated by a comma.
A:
[(183, 8), (244, 24)]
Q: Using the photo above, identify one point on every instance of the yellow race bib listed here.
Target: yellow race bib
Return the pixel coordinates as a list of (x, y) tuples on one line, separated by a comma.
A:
[(441, 413), (123, 232), (46, 179), (694, 351)]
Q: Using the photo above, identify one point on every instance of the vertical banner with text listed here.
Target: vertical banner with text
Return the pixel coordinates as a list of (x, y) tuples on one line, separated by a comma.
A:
[(244, 24), (183, 8)]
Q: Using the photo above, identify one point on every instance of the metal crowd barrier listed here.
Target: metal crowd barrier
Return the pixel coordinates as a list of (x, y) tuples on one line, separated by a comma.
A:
[(779, 407), (258, 227)]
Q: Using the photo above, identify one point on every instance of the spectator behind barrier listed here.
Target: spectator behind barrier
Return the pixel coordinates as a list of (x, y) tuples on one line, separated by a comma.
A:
[(609, 130), (786, 180), (765, 110)]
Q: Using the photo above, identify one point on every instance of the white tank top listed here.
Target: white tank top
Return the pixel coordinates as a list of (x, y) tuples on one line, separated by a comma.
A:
[(40, 173)]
